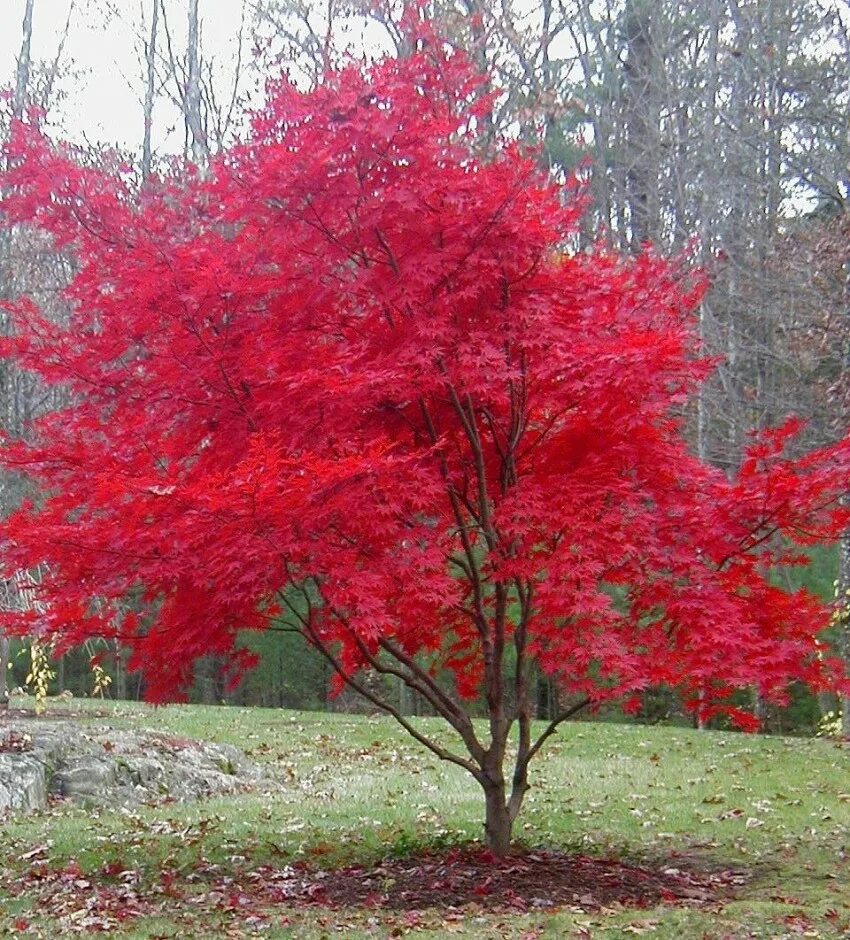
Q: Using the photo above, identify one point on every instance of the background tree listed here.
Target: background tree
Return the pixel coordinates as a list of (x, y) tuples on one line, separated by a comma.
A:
[(25, 266), (150, 55)]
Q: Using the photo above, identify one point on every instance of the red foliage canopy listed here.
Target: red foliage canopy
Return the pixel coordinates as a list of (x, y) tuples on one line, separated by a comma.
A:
[(354, 370)]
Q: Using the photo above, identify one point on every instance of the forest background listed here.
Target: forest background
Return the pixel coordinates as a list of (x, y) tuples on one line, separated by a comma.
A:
[(717, 128)]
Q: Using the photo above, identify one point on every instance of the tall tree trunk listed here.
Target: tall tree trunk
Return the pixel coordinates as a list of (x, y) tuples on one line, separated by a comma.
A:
[(120, 670), (4, 671), (150, 89), (194, 122), (641, 122), (707, 229), (22, 78), (844, 622), (843, 589)]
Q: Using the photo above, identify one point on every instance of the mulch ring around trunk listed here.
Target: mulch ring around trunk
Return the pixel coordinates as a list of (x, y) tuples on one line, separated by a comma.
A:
[(536, 880)]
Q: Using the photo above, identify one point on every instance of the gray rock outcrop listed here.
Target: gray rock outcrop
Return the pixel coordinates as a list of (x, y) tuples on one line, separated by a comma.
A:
[(104, 766), (23, 783)]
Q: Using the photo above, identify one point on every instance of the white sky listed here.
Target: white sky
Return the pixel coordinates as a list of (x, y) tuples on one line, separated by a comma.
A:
[(102, 101)]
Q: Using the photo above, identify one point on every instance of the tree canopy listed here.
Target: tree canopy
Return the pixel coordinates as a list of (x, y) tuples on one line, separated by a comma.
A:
[(353, 376)]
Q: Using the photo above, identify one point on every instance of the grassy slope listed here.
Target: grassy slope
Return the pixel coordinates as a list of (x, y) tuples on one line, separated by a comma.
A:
[(356, 787)]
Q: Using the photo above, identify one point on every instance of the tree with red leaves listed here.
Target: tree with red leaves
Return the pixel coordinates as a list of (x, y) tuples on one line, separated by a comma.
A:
[(353, 377)]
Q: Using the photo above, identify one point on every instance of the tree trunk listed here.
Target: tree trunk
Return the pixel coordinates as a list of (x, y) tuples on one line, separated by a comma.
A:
[(760, 710), (198, 137), (640, 122), (150, 89), (7, 381), (4, 671), (842, 599), (120, 671), (843, 617), (22, 76), (497, 822)]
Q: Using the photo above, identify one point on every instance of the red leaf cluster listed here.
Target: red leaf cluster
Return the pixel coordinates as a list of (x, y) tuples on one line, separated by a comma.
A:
[(355, 372)]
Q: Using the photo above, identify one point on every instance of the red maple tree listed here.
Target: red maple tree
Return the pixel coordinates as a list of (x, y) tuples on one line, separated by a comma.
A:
[(353, 376)]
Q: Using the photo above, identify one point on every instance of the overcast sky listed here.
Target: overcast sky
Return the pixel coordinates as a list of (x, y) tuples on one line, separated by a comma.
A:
[(102, 101)]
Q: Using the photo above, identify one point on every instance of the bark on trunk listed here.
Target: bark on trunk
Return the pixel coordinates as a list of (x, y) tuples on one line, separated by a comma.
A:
[(22, 76), (4, 671), (193, 91), (843, 603), (641, 123), (150, 90), (120, 672), (842, 594), (497, 823)]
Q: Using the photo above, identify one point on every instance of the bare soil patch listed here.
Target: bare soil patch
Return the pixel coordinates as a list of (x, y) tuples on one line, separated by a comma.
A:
[(536, 880)]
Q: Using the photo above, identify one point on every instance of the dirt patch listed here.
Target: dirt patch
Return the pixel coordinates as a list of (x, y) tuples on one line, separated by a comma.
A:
[(448, 886), (540, 880)]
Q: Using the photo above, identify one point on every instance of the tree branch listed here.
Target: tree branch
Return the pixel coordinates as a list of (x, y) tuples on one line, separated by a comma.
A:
[(462, 723), (313, 638), (553, 725)]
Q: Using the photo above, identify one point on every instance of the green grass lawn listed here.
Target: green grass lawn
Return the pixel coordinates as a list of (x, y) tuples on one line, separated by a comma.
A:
[(354, 789)]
